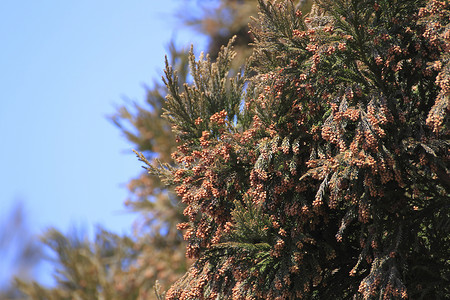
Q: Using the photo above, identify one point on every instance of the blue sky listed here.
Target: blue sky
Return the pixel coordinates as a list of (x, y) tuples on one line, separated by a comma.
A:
[(64, 66)]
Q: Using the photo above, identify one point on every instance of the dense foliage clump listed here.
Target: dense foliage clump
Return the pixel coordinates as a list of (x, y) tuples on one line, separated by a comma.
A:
[(322, 171)]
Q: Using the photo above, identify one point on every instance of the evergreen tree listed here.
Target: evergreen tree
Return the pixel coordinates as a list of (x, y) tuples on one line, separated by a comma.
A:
[(324, 172), (104, 269)]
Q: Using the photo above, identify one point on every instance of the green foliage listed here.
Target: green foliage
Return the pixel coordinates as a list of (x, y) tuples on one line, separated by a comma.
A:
[(90, 271), (212, 91), (251, 224), (336, 185)]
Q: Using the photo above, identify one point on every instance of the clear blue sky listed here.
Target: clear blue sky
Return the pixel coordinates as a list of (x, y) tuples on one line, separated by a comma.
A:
[(64, 65)]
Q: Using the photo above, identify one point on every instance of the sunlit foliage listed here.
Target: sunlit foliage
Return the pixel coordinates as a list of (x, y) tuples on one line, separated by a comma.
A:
[(319, 172)]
